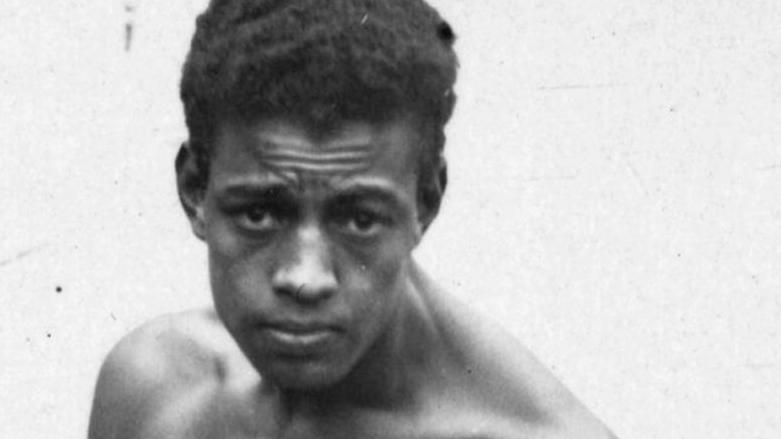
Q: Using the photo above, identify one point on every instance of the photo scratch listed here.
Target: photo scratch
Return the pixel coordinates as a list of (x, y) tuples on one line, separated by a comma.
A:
[(129, 8), (635, 175), (21, 255), (774, 167)]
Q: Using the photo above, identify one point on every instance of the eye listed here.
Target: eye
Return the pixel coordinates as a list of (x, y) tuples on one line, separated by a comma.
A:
[(362, 223), (258, 218)]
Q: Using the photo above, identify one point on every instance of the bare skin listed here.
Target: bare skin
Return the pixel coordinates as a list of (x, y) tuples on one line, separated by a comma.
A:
[(324, 327)]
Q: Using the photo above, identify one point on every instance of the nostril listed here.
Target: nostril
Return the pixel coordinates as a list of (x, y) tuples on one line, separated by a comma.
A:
[(305, 272), (306, 292)]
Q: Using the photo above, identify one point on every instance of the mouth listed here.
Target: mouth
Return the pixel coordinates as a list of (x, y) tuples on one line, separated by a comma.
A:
[(300, 338), (295, 339)]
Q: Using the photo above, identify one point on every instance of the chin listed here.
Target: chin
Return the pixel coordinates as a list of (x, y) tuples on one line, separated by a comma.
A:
[(304, 376)]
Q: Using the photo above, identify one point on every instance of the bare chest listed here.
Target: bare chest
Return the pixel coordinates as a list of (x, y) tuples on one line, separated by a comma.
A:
[(221, 417)]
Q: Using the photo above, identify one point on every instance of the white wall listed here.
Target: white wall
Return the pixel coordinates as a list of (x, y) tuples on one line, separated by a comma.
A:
[(614, 200)]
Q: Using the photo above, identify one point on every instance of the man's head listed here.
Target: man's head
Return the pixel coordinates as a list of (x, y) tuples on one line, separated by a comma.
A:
[(323, 62), (313, 167)]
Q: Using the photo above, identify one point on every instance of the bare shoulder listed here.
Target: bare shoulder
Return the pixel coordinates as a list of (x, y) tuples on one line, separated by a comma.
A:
[(507, 379), (152, 367)]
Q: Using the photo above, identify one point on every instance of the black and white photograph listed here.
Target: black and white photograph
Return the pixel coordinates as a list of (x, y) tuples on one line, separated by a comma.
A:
[(434, 219)]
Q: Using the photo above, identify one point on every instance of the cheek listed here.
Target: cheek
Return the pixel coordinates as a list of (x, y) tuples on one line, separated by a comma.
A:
[(382, 264), (373, 279), (237, 274)]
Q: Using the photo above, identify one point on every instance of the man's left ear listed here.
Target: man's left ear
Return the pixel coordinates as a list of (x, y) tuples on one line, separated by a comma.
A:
[(431, 193)]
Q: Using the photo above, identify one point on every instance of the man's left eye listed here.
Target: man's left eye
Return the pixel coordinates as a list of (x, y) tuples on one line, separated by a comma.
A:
[(362, 223)]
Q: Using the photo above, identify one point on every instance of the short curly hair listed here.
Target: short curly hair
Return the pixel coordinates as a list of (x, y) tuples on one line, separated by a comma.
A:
[(325, 61)]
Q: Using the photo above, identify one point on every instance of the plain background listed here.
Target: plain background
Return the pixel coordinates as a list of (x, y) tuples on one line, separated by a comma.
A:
[(614, 200)]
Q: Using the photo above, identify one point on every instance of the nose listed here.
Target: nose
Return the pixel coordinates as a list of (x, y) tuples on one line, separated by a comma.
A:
[(306, 272)]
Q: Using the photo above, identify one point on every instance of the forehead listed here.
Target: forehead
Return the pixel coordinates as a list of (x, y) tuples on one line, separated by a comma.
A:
[(274, 149)]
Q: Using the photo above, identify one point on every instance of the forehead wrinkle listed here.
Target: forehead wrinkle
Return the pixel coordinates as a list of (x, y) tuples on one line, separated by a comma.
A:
[(252, 180), (278, 140), (293, 156), (298, 178), (274, 140), (283, 155), (298, 170), (286, 159), (363, 141), (303, 148)]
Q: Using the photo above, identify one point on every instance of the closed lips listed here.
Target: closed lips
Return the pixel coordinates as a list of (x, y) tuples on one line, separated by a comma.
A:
[(296, 338), (300, 337), (299, 328)]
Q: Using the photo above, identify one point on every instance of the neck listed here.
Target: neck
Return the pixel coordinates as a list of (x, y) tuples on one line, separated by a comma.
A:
[(394, 368)]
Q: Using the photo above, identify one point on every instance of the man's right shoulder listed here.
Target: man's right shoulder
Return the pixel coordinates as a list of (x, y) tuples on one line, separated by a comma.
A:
[(170, 350), (152, 367)]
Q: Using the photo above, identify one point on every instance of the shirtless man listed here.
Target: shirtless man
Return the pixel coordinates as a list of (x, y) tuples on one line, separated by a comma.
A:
[(313, 168)]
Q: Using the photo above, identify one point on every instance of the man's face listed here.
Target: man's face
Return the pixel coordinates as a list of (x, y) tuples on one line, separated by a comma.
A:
[(309, 241)]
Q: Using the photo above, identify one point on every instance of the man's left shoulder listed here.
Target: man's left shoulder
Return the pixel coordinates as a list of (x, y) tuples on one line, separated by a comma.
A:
[(525, 387), (575, 422), (505, 378)]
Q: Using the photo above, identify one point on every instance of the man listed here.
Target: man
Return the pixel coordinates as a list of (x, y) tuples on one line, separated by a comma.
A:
[(313, 169)]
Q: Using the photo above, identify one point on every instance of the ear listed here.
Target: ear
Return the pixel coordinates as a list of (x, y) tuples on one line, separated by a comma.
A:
[(191, 188), (431, 193)]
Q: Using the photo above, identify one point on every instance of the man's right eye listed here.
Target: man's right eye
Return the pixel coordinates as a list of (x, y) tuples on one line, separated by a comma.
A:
[(258, 218)]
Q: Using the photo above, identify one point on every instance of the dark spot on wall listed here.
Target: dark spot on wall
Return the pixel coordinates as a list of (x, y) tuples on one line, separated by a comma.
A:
[(48, 335), (58, 289)]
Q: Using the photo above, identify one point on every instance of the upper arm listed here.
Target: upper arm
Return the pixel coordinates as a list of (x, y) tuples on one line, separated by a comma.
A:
[(148, 374), (131, 387)]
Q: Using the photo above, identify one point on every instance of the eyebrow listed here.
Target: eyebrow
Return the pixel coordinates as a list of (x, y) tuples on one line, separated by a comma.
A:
[(349, 193), (256, 190), (371, 191)]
